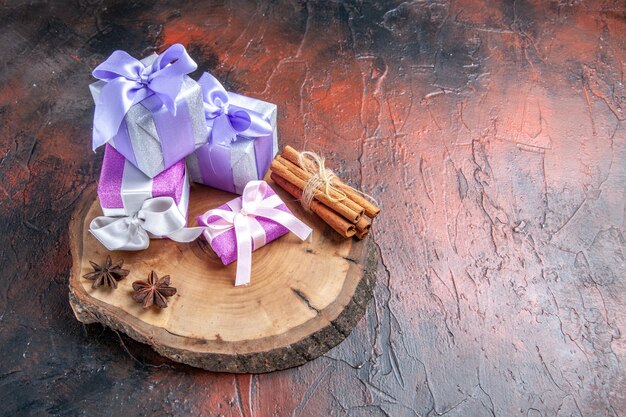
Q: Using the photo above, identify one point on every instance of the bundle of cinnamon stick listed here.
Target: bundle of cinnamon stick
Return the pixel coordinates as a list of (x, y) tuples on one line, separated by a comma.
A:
[(343, 208)]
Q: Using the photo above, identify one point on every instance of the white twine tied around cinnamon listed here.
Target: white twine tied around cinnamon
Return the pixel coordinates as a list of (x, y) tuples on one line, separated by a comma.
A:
[(322, 179)]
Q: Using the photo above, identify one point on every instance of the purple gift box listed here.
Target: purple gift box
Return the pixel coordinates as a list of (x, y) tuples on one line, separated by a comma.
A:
[(123, 188), (225, 244), (242, 142)]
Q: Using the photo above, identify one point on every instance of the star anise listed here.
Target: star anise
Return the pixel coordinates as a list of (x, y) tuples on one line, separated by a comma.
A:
[(153, 291), (106, 275)]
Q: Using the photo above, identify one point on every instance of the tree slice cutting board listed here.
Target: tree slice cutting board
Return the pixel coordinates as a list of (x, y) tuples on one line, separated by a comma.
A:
[(304, 297)]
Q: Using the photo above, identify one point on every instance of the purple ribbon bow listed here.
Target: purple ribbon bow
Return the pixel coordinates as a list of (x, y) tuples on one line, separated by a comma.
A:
[(228, 120), (128, 81)]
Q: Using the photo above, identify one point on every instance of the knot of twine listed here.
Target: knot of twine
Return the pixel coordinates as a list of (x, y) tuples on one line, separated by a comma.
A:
[(322, 180)]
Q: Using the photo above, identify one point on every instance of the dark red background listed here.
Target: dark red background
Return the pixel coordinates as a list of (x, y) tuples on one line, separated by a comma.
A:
[(492, 133)]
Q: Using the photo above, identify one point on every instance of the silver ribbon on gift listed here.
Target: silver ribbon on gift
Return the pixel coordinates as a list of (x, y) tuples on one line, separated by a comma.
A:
[(158, 216)]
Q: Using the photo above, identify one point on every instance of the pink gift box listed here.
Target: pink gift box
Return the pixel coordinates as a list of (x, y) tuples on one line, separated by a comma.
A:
[(123, 188), (225, 244)]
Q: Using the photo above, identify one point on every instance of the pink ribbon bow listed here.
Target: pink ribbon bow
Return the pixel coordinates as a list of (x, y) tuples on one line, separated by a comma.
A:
[(247, 228)]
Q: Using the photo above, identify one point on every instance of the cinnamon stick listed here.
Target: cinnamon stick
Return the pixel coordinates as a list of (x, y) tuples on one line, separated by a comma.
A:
[(371, 210), (334, 220), (361, 235), (363, 227), (336, 206), (306, 176)]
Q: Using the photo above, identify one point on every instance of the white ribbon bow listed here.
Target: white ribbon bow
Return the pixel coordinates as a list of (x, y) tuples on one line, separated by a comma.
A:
[(158, 216), (247, 228)]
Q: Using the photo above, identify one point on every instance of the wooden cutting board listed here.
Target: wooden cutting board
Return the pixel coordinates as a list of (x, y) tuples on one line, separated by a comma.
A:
[(304, 297)]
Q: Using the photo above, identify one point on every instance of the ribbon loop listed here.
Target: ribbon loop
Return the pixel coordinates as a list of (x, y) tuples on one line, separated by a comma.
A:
[(158, 216), (129, 81), (248, 230), (226, 120)]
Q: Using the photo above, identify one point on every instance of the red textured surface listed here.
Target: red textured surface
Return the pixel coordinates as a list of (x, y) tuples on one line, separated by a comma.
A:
[(491, 132)]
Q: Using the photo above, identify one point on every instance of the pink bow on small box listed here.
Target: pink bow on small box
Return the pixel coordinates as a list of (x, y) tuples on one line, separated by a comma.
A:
[(246, 223)]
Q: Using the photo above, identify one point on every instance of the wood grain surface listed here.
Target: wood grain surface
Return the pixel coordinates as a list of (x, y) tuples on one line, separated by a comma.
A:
[(304, 298), (491, 132)]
